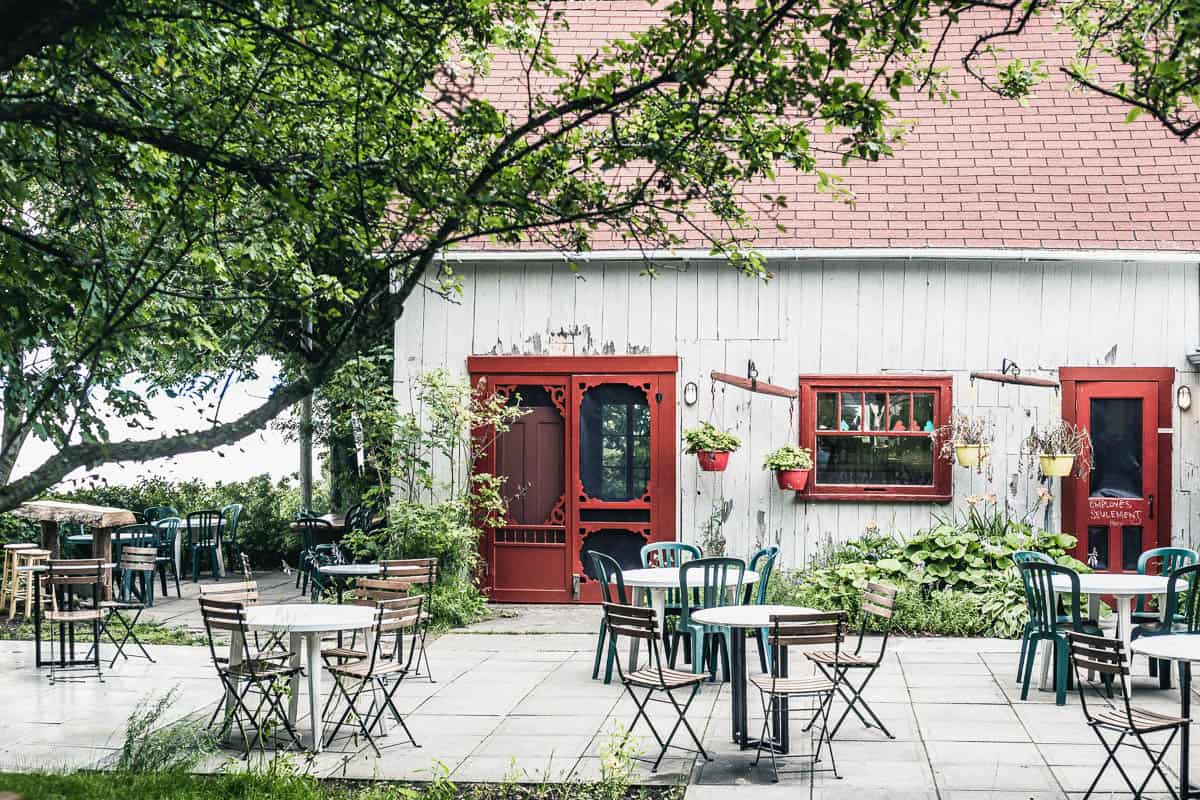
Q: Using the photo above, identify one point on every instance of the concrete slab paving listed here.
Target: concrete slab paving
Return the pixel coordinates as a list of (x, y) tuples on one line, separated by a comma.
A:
[(513, 698)]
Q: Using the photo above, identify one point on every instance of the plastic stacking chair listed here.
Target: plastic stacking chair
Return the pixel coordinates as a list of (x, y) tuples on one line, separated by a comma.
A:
[(709, 583), (1047, 626), (762, 562), (204, 537), (400, 618), (1179, 616), (311, 531), (806, 629), (168, 534), (612, 590), (878, 604), (1160, 561), (242, 674), (156, 513), (1020, 557), (640, 623), (1107, 657), (367, 592), (669, 554), (229, 526)]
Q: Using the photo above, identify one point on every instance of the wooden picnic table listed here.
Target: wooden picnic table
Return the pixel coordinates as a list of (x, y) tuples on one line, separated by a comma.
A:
[(101, 520)]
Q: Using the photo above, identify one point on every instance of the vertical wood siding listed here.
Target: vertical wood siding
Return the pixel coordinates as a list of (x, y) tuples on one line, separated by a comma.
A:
[(867, 316)]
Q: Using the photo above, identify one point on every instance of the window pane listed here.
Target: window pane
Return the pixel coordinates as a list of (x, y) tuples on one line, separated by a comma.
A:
[(876, 408), (826, 411), (1097, 547), (899, 408), (1131, 547), (923, 412), (851, 411), (875, 460), (614, 442), (1117, 447)]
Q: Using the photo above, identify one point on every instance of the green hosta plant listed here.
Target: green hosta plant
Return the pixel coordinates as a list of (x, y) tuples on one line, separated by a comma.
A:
[(709, 438), (788, 457)]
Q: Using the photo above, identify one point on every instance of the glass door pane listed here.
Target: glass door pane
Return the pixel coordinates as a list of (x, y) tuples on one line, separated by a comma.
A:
[(1116, 428)]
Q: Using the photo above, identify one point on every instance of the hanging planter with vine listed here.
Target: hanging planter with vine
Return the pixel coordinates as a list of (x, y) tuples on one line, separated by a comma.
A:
[(1062, 450)]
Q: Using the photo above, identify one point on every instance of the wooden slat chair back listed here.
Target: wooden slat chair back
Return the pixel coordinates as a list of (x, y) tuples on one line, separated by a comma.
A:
[(416, 571), (138, 559), (808, 629), (74, 572), (244, 593), (65, 580), (368, 591)]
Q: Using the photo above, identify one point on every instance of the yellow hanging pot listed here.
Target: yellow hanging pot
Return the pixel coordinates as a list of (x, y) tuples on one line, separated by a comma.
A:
[(1058, 465), (972, 455)]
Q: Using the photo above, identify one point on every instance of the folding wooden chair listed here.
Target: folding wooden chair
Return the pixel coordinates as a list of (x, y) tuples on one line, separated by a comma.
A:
[(366, 592), (75, 587), (804, 629), (401, 618), (419, 572), (245, 677), (1107, 657), (135, 562), (641, 623), (246, 593), (878, 602)]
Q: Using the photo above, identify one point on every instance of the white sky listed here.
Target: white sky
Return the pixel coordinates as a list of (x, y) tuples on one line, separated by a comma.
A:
[(266, 451)]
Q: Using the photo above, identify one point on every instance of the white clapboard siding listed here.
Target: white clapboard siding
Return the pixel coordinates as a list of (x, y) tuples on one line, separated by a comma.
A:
[(920, 315)]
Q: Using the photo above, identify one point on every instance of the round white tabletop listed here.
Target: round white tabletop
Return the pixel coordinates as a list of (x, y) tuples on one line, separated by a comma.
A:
[(668, 577), (746, 616), (1175, 647), (308, 618), (350, 570), (1114, 583)]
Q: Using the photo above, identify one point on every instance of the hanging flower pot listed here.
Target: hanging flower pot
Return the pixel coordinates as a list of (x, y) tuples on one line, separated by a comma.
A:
[(711, 445), (713, 460), (792, 479), (972, 455), (791, 465), (1058, 465)]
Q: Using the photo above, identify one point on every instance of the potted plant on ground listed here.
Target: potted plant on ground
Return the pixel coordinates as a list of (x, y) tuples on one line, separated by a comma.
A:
[(791, 465), (966, 439), (1061, 448), (711, 445)]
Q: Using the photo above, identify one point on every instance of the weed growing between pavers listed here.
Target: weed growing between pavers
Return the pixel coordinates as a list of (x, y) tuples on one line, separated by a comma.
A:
[(148, 632)]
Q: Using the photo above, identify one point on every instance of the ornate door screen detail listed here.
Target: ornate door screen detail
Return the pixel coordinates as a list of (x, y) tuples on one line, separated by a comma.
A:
[(589, 468)]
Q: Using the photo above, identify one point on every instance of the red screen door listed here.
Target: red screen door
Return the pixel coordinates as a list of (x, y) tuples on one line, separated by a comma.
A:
[(1119, 502)]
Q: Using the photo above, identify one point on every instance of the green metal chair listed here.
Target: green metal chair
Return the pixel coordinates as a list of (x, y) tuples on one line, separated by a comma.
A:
[(669, 554), (156, 513), (311, 531), (229, 527), (1179, 616), (711, 583), (612, 589), (1047, 625), (67, 549), (1167, 559), (168, 532), (1020, 557), (762, 562), (204, 537)]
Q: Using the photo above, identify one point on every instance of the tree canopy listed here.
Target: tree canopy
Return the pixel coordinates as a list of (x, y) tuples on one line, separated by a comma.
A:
[(187, 186)]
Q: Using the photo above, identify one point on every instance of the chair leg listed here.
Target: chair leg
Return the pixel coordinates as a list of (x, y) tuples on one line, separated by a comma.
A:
[(601, 637), (1021, 659), (764, 652), (1061, 677), (1028, 677)]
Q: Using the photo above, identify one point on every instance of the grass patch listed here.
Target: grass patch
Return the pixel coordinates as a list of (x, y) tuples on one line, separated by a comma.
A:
[(148, 632)]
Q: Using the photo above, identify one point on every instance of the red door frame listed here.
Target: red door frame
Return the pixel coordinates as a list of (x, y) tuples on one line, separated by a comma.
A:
[(572, 369), (1074, 517)]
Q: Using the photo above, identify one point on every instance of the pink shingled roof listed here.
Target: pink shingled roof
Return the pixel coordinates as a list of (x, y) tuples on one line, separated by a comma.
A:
[(979, 171)]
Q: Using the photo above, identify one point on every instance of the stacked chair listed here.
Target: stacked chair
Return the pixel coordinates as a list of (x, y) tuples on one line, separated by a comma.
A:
[(416, 573)]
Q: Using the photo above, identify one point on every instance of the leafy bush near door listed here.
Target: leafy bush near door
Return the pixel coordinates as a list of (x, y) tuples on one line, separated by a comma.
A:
[(956, 578)]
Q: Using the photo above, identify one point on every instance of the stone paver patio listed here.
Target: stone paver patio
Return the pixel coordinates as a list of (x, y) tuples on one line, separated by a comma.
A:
[(513, 698)]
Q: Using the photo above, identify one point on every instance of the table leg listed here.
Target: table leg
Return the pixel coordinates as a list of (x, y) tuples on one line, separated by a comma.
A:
[(641, 597), (779, 723), (37, 615), (236, 649), (1185, 709), (295, 642), (50, 540), (1125, 621), (737, 686), (313, 645), (102, 549)]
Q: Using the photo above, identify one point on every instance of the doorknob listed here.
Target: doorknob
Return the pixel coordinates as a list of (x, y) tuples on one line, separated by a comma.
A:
[(1151, 507)]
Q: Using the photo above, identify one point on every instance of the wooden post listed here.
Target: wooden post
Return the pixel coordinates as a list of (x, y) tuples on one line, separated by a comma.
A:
[(50, 537), (102, 549)]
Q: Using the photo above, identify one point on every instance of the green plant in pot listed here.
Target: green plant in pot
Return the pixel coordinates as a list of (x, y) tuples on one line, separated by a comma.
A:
[(965, 439), (791, 465), (711, 445), (1061, 449)]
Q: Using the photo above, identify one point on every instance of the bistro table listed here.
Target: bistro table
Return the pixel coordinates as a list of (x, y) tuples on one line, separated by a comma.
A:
[(656, 582), (743, 618), (118, 539), (304, 622), (100, 519), (344, 571), (1184, 648), (1124, 587)]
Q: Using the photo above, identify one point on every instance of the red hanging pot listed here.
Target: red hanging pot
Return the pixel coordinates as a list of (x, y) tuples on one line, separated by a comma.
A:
[(792, 479), (713, 460)]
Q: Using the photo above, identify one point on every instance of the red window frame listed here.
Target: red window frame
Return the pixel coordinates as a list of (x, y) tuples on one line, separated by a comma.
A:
[(941, 386)]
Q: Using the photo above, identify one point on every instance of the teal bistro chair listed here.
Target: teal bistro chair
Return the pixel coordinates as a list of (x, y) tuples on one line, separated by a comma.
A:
[(313, 552), (669, 554), (711, 583), (1020, 557), (138, 534), (168, 535), (155, 513), (1179, 616), (1160, 561), (762, 562), (1047, 625), (612, 589), (68, 549), (204, 538), (229, 527)]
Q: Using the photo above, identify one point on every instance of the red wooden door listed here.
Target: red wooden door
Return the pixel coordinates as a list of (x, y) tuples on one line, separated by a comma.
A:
[(1118, 505)]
